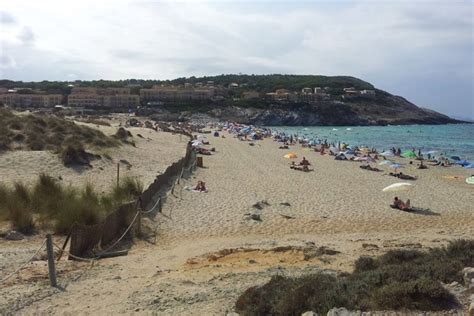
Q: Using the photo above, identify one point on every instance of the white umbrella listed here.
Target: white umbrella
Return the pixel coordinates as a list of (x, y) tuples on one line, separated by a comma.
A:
[(400, 186), (388, 153), (396, 166), (368, 159)]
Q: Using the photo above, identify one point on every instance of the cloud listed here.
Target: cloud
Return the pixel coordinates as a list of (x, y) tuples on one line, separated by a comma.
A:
[(7, 18), (392, 44), (26, 36), (6, 62)]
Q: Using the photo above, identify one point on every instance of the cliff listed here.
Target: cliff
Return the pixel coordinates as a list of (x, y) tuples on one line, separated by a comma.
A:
[(387, 110), (335, 108)]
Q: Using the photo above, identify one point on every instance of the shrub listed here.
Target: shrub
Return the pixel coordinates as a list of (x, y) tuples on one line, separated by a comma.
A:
[(397, 280), (20, 213), (419, 294), (4, 193), (45, 193), (128, 188), (75, 207), (75, 155), (365, 264), (122, 134)]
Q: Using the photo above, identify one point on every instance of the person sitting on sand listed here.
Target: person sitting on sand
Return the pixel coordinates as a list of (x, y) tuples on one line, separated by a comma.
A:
[(422, 166), (201, 186), (397, 203), (305, 163)]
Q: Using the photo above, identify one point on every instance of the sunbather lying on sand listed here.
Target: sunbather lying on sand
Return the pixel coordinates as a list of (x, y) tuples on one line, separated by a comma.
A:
[(369, 167), (203, 151), (300, 167), (399, 204), (402, 176)]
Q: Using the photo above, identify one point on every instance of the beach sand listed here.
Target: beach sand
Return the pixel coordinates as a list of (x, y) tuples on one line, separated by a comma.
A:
[(207, 253)]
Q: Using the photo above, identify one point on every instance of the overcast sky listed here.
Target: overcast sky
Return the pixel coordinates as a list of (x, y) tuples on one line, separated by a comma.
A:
[(422, 50)]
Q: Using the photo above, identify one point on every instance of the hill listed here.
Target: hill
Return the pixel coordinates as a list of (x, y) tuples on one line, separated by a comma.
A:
[(268, 100)]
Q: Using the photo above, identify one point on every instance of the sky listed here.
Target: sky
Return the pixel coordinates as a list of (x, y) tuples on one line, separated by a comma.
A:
[(419, 49)]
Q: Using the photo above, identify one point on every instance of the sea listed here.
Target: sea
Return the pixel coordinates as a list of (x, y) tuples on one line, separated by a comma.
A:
[(449, 140)]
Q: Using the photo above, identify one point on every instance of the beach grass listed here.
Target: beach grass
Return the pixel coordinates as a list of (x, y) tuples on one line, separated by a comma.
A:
[(48, 203), (397, 280), (35, 132)]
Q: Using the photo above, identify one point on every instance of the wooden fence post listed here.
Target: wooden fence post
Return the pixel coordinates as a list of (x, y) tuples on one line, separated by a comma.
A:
[(118, 174), (51, 266)]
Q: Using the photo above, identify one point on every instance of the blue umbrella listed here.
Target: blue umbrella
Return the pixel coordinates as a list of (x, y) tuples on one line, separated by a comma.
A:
[(462, 162)]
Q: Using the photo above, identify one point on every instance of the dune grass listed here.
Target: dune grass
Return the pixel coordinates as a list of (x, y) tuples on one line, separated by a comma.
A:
[(95, 121), (397, 280), (35, 132), (50, 204)]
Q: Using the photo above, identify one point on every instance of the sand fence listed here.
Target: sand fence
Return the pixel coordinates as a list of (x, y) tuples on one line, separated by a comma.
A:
[(125, 221)]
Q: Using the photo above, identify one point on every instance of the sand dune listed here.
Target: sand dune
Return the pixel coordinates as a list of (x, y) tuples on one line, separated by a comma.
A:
[(153, 154)]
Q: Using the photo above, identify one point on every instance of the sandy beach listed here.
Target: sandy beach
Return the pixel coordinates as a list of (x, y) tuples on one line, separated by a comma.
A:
[(208, 251)]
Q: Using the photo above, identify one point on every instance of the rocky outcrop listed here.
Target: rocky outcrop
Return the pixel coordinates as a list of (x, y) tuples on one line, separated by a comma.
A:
[(385, 110)]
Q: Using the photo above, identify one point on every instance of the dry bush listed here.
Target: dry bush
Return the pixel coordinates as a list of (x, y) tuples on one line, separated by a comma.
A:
[(397, 280)]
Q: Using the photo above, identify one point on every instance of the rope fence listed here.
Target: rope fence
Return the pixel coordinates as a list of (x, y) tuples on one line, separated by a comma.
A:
[(24, 264), (84, 237)]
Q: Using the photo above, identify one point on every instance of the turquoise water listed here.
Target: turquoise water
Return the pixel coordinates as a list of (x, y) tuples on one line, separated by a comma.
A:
[(452, 139)]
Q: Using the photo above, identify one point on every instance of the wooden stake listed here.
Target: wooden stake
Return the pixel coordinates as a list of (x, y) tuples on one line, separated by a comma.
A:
[(51, 266), (118, 174)]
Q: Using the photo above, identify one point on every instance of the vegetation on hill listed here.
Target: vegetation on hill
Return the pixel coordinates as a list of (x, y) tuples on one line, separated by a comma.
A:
[(263, 83), (397, 280), (35, 132), (48, 203)]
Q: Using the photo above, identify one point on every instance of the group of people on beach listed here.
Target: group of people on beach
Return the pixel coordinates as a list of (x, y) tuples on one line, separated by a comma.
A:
[(302, 166)]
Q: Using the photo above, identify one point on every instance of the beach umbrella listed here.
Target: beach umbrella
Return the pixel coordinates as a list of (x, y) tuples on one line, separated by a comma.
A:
[(409, 154), (370, 159), (396, 187), (396, 166), (386, 162), (291, 156), (387, 153), (334, 149), (455, 158), (462, 162)]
